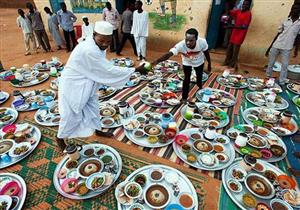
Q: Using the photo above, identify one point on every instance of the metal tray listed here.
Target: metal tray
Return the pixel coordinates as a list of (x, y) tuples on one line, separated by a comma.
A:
[(220, 78), (248, 111), (36, 134), (253, 80), (184, 184), (237, 197), (280, 142), (12, 112), (222, 124), (282, 106), (109, 150), (228, 148), (50, 116), (199, 95), (33, 94), (28, 84), (143, 140), (168, 66), (294, 100), (22, 184)]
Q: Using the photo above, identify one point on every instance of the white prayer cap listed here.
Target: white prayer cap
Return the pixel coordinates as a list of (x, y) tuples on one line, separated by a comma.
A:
[(104, 28), (84, 17)]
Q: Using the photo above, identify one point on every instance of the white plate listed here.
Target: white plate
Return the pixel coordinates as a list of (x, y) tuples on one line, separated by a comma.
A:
[(217, 91), (11, 112), (6, 96), (22, 144)]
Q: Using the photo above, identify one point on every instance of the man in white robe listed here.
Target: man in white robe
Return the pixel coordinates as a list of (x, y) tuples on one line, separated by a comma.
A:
[(53, 28), (87, 29), (85, 70), (140, 30)]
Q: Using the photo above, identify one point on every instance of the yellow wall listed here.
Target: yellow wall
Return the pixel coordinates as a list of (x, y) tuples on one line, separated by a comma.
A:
[(266, 16)]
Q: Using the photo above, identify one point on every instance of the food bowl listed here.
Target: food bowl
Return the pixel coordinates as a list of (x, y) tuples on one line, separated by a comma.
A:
[(138, 133), (186, 200), (259, 186), (153, 130), (222, 139), (107, 121), (69, 185), (278, 204), (218, 148), (133, 190), (238, 174), (156, 175), (222, 157), (234, 185), (157, 196), (202, 146), (196, 136), (6, 145), (89, 167), (95, 181), (131, 124), (88, 151)]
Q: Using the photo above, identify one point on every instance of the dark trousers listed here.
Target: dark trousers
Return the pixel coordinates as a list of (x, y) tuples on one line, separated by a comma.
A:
[(67, 35), (187, 79), (123, 41), (42, 39), (232, 55), (115, 41)]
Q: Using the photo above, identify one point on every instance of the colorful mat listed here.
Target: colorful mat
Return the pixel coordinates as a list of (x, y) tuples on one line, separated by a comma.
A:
[(37, 171)]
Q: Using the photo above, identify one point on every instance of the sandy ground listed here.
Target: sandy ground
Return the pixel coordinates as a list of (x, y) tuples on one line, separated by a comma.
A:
[(12, 54)]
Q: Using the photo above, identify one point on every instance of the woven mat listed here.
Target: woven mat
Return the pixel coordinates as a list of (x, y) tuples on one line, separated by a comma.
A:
[(37, 171)]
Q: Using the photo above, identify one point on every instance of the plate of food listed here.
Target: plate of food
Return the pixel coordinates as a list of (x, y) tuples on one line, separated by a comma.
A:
[(18, 141), (12, 190), (294, 87), (204, 114), (94, 170), (7, 116), (201, 153), (281, 123), (268, 99), (233, 81), (171, 84), (3, 96), (219, 98), (257, 190), (114, 112), (258, 84), (180, 74), (257, 142), (29, 78), (32, 100), (122, 62), (105, 92), (159, 186), (134, 80), (44, 65), (151, 129), (48, 116), (168, 66)]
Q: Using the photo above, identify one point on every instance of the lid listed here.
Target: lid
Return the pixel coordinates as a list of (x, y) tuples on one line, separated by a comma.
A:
[(294, 68), (71, 148)]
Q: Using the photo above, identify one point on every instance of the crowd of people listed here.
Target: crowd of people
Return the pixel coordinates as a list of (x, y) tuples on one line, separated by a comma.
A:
[(96, 38)]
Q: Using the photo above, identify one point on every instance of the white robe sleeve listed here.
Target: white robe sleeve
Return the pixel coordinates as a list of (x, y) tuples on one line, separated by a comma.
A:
[(100, 70)]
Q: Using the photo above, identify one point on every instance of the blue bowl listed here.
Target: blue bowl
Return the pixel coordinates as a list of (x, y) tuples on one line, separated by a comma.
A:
[(18, 102), (174, 207)]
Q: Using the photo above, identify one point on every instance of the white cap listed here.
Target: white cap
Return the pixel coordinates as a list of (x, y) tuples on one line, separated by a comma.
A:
[(104, 28), (84, 17)]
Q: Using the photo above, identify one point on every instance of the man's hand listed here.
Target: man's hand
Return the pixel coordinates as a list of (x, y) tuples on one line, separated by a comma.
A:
[(209, 68), (141, 69)]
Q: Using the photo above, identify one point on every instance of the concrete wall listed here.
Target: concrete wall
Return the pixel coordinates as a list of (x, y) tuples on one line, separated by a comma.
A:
[(267, 15)]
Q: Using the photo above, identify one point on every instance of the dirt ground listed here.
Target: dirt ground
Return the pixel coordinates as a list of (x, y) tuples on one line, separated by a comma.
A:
[(12, 54)]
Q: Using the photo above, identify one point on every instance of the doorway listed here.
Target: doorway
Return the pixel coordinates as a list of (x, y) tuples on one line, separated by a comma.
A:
[(55, 5), (217, 35)]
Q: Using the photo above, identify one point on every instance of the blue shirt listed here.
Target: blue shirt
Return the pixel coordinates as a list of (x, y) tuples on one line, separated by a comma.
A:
[(66, 20)]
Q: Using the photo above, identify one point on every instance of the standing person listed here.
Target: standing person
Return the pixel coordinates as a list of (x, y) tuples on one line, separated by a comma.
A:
[(140, 29), (242, 20), (112, 16), (38, 27), (53, 28), (192, 50), (85, 70), (87, 29), (126, 26), (24, 23), (66, 20), (284, 43)]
